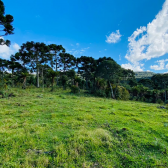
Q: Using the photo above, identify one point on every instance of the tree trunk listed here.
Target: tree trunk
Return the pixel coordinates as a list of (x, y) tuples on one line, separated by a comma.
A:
[(37, 72), (115, 91), (37, 77), (56, 67), (76, 84), (24, 83), (12, 78), (42, 78), (112, 94)]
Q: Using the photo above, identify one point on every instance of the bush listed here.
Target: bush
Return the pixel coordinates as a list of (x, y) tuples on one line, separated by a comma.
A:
[(150, 100), (167, 106), (108, 92), (159, 101), (75, 89), (134, 98), (125, 94), (100, 93), (122, 93)]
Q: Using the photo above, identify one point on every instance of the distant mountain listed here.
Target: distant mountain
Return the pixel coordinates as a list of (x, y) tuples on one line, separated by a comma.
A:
[(144, 74)]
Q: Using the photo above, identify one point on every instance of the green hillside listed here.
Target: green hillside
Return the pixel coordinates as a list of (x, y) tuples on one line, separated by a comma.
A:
[(59, 129)]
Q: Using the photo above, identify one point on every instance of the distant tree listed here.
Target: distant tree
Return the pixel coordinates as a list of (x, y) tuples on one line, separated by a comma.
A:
[(87, 68), (24, 74), (54, 58), (109, 71), (132, 82), (68, 61), (127, 74), (147, 83), (101, 59), (161, 82), (55, 50), (6, 25), (3, 66), (71, 74), (52, 74), (34, 54), (44, 72), (63, 80), (13, 65), (101, 83), (78, 81)]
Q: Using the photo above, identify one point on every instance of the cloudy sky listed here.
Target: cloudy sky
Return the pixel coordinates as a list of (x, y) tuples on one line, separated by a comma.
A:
[(133, 32)]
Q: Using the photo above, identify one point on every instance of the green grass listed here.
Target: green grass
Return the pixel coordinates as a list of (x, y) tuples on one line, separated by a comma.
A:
[(59, 129)]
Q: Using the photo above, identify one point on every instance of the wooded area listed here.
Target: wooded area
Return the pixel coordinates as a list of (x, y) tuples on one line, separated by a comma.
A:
[(41, 65)]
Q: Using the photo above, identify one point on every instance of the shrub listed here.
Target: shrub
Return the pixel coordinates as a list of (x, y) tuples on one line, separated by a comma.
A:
[(142, 98), (108, 92), (125, 94), (159, 101), (167, 106), (149, 100), (122, 93), (75, 89), (100, 93)]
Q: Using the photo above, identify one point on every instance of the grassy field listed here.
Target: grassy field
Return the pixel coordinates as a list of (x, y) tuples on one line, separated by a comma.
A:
[(59, 129)]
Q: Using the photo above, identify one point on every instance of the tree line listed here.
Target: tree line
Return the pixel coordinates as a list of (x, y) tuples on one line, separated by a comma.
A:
[(52, 64), (41, 65)]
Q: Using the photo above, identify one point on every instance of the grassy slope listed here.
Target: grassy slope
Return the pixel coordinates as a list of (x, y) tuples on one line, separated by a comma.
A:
[(63, 130)]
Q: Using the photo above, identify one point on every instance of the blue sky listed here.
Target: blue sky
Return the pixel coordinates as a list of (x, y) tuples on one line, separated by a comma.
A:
[(133, 32)]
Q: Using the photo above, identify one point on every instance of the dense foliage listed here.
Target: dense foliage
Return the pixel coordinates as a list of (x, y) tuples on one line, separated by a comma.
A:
[(6, 26), (41, 65)]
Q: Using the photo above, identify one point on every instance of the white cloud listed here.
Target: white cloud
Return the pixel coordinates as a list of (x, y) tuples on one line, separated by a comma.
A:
[(161, 65), (78, 52), (6, 52), (114, 37), (167, 66), (133, 67), (16, 46), (157, 67), (151, 41)]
